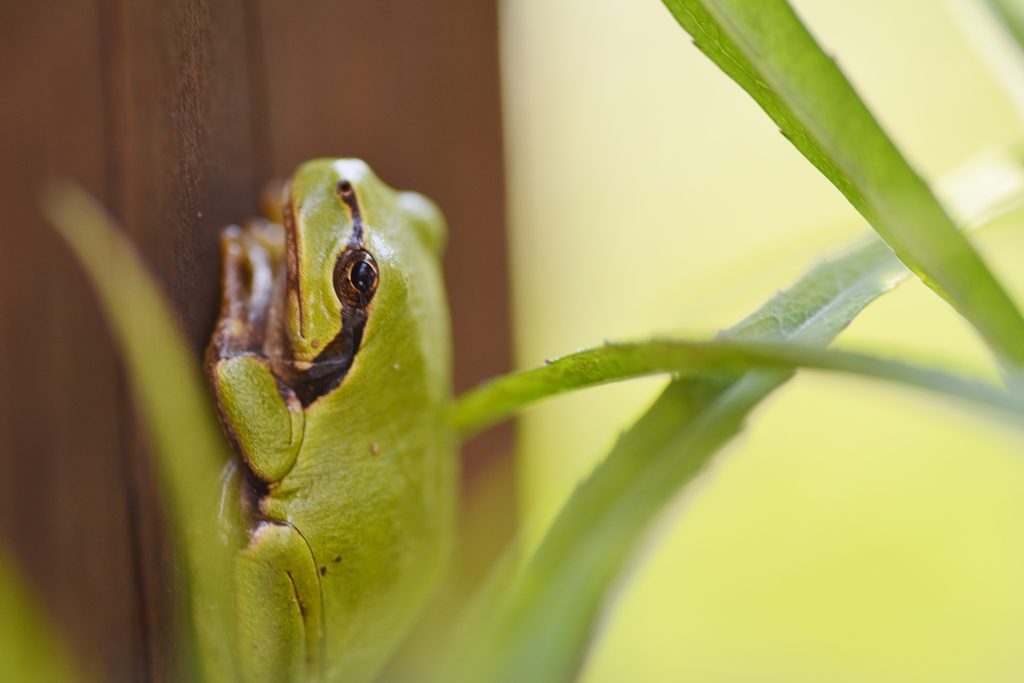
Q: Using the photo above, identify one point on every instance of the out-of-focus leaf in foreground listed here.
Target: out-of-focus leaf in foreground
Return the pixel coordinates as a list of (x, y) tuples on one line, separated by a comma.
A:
[(1011, 14), (765, 48), (536, 621), (30, 651), (179, 415)]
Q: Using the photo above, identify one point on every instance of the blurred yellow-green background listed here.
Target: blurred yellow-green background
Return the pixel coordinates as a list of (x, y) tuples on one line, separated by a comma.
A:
[(855, 532)]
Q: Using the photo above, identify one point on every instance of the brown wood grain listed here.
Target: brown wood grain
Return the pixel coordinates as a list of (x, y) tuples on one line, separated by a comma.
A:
[(174, 114)]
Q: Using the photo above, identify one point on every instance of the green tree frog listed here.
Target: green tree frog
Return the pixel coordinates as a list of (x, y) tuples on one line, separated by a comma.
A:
[(330, 364)]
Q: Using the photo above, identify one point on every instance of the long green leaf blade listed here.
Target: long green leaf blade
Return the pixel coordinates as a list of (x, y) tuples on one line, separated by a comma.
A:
[(177, 408), (763, 46), (617, 362)]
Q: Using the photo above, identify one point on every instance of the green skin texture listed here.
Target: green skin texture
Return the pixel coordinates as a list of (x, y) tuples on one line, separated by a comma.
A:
[(351, 536)]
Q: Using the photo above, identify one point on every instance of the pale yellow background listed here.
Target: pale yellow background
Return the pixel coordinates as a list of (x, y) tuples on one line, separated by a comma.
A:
[(855, 532)]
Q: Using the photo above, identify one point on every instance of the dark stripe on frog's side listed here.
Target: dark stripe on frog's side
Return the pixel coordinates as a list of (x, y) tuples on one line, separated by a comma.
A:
[(333, 363)]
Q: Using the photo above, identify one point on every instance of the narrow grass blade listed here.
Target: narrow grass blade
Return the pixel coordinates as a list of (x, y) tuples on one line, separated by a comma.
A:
[(616, 362), (30, 650), (171, 392), (765, 48)]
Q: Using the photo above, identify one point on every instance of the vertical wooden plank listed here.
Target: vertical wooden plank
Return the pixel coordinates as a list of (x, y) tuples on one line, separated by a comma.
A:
[(62, 498), (148, 105), (186, 162), (181, 156)]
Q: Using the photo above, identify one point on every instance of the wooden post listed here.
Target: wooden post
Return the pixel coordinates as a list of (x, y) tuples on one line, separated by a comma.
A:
[(174, 114)]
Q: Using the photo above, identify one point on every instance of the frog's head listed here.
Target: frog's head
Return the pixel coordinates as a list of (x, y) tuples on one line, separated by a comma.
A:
[(346, 258)]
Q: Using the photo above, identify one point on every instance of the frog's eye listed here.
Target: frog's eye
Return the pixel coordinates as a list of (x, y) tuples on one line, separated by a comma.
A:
[(355, 277), (363, 277)]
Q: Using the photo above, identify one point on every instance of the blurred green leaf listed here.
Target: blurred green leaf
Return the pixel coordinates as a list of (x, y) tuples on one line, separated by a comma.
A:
[(30, 650), (1011, 14), (765, 48), (178, 411)]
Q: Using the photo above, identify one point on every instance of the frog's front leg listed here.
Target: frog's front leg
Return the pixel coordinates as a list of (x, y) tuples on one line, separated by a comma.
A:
[(263, 417), (279, 607)]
